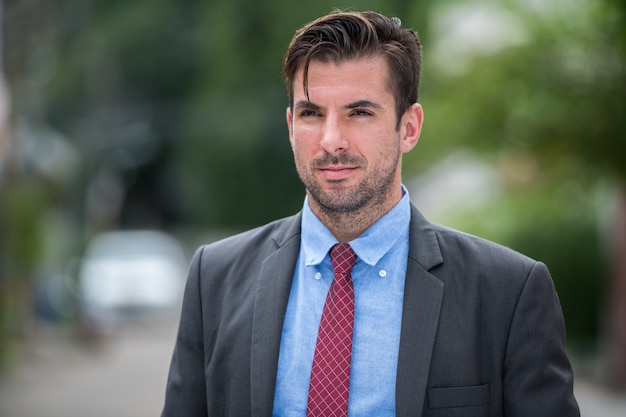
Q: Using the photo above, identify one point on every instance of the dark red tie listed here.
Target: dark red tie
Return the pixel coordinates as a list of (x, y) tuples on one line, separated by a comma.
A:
[(330, 375)]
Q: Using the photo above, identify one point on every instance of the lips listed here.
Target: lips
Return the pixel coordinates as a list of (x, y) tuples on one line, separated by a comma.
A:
[(337, 172)]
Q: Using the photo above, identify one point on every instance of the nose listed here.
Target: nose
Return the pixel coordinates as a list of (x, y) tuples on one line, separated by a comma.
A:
[(333, 138)]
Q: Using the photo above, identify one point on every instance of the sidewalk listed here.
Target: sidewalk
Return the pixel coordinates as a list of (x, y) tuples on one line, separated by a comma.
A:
[(124, 378), (596, 401)]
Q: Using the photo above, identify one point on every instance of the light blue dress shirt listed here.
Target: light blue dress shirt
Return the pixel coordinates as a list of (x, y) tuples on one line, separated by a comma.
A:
[(378, 277)]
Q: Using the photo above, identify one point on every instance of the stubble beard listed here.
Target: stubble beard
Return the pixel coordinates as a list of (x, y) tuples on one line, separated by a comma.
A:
[(358, 206)]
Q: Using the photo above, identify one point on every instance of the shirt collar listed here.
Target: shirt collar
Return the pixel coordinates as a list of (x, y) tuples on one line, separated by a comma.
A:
[(370, 246)]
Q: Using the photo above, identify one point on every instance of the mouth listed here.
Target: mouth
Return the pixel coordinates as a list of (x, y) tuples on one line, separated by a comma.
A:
[(337, 172)]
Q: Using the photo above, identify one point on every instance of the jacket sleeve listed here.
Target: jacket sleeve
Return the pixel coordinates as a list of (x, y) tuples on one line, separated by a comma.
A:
[(537, 375), (186, 393)]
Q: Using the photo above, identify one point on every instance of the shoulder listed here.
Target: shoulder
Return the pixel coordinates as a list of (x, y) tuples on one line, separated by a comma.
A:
[(476, 267), (481, 275), (474, 249), (433, 245), (459, 258)]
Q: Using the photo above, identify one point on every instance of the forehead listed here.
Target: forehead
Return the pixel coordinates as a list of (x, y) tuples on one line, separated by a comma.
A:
[(362, 76)]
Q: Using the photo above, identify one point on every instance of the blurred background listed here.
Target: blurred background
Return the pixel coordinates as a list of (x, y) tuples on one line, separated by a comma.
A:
[(133, 131)]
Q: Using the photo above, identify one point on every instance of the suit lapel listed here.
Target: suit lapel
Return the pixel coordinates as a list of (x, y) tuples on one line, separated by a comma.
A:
[(274, 284), (423, 295)]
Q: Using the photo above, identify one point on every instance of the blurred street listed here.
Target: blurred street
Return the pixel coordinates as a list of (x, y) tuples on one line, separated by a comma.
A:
[(125, 377)]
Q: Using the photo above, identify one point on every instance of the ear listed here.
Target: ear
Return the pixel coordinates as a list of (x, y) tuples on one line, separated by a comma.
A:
[(411, 127), (290, 125)]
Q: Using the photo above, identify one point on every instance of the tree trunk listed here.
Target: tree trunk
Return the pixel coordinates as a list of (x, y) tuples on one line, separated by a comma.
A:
[(617, 299)]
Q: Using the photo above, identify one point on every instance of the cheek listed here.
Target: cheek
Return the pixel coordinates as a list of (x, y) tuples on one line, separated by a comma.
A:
[(304, 140), (306, 132), (301, 152), (387, 153), (382, 144)]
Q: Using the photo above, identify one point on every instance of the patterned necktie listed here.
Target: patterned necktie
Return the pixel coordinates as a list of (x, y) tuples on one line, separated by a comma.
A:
[(330, 375)]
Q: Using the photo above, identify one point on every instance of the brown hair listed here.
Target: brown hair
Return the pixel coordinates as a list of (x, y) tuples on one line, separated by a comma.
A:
[(341, 36)]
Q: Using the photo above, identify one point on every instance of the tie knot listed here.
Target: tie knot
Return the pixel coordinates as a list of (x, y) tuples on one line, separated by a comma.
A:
[(343, 258)]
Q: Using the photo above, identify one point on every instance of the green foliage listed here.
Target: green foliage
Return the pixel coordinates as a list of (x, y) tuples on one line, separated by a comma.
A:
[(558, 93), (21, 246), (21, 217)]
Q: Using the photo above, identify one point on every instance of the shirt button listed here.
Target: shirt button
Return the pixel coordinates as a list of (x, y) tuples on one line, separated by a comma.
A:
[(318, 275), (382, 273)]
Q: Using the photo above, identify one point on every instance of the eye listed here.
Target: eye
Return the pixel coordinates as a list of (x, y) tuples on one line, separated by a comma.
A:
[(308, 113), (361, 112)]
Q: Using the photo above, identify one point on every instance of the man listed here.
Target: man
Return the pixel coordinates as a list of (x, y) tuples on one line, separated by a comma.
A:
[(435, 322)]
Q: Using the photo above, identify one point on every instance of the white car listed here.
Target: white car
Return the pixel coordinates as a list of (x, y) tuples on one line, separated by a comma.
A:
[(131, 274)]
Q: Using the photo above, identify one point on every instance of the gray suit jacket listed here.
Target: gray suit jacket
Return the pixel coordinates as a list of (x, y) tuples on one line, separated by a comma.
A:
[(482, 329)]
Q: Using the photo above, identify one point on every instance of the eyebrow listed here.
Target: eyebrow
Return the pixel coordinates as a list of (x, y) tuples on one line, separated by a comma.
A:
[(363, 103), (306, 104)]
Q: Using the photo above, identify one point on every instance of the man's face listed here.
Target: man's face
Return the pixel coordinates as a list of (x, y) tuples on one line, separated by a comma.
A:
[(346, 146)]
